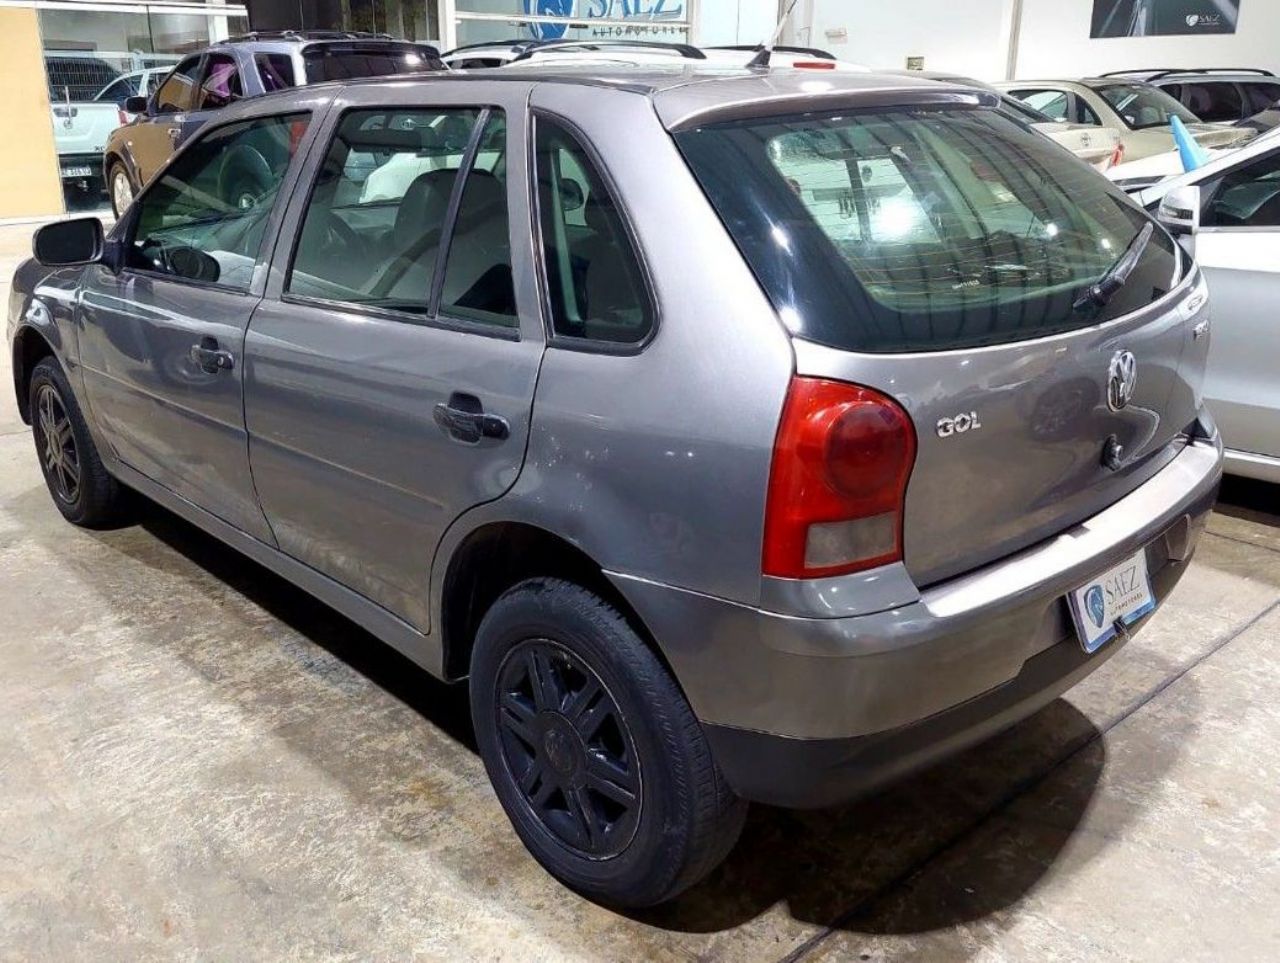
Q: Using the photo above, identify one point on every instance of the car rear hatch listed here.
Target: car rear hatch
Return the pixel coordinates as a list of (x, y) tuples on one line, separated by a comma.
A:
[(946, 258)]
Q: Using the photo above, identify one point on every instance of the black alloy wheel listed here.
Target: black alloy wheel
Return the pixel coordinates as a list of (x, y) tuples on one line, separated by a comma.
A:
[(568, 748), (56, 442)]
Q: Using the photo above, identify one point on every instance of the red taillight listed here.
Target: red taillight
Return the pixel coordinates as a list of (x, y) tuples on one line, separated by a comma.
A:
[(814, 65), (841, 461), (121, 116)]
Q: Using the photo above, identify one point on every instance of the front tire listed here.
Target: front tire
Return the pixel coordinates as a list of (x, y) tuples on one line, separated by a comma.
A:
[(120, 186), (82, 488), (593, 750)]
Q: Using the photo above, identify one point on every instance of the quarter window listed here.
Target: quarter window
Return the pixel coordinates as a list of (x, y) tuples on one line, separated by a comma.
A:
[(177, 93), (1052, 103), (204, 217), (376, 218), (275, 70), (1214, 101), (1262, 97), (595, 285), (477, 276)]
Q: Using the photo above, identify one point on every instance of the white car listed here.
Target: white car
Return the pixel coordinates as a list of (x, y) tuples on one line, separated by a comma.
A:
[(1231, 206)]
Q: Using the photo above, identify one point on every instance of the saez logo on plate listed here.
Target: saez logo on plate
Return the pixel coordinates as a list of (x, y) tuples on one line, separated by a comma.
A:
[(1096, 605), (597, 10)]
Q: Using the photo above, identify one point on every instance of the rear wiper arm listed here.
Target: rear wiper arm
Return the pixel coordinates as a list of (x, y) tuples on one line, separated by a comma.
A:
[(1104, 289)]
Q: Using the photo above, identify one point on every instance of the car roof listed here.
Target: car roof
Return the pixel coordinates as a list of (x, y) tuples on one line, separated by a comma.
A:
[(686, 94)]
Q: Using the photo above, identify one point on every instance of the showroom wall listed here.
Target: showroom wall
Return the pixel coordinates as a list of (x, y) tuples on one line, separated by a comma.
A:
[(1055, 42), (31, 186), (972, 37)]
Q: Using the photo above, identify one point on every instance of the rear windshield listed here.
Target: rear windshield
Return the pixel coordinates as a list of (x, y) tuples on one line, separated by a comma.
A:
[(1141, 106), (923, 229), (350, 61)]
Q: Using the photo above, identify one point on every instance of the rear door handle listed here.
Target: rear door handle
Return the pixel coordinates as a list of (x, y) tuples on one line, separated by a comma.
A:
[(465, 420), (210, 358)]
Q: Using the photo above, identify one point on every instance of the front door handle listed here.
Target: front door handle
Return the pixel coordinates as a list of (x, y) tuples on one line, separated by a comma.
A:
[(211, 359), (465, 420)]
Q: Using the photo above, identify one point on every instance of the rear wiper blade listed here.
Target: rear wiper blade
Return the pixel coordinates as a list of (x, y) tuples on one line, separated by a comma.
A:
[(1104, 289)]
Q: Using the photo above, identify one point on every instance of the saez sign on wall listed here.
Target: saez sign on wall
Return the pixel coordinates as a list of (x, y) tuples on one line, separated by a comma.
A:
[(1153, 18), (588, 10)]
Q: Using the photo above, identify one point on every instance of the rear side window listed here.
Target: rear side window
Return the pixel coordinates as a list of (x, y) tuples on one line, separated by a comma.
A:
[(1214, 101), (1262, 97), (275, 70), (1054, 104), (332, 61), (922, 229), (595, 285), (221, 84)]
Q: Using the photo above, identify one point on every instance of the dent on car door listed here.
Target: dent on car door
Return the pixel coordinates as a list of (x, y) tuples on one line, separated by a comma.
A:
[(391, 370), (161, 344), (1239, 250)]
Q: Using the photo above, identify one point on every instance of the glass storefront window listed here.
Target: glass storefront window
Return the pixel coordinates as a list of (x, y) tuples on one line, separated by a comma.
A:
[(95, 58), (485, 21)]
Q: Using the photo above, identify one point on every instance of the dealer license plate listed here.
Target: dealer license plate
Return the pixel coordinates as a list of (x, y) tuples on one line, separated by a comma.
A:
[(77, 172), (1119, 596)]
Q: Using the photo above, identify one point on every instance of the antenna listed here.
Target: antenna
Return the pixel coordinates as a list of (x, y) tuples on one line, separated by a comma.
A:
[(765, 51)]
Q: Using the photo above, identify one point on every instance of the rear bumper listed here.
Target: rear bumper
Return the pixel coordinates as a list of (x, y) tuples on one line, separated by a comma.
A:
[(807, 712)]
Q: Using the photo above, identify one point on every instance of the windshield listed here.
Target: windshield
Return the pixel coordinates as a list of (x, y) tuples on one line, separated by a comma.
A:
[(922, 229), (350, 61), (1141, 106)]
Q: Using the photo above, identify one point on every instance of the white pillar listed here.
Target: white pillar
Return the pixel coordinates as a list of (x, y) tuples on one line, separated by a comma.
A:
[(1010, 35)]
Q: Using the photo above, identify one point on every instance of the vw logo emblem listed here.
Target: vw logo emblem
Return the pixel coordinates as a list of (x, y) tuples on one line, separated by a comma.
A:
[(1122, 379)]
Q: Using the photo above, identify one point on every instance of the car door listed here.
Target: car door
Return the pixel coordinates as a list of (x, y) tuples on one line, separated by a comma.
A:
[(390, 369), (152, 139), (1239, 249), (162, 331)]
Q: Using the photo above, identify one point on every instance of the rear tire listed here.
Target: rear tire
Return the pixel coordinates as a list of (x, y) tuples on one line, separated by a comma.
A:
[(593, 750), (82, 488)]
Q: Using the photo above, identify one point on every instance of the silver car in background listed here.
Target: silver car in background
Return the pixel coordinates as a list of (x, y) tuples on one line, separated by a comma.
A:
[(739, 435), (1231, 212)]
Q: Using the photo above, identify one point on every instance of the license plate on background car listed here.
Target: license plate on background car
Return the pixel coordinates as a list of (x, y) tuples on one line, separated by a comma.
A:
[(77, 172), (1122, 595)]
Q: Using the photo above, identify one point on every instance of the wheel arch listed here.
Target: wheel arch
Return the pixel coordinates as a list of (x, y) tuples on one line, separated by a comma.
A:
[(496, 555), (30, 347)]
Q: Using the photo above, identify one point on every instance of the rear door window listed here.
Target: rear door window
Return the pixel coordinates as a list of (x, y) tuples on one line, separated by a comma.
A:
[(376, 217), (919, 230), (221, 85)]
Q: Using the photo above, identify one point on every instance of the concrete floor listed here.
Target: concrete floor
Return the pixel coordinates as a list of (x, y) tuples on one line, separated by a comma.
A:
[(199, 761)]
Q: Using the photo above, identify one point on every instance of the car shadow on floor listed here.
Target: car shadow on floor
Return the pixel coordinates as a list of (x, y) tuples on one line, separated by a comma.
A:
[(832, 868), (1250, 500)]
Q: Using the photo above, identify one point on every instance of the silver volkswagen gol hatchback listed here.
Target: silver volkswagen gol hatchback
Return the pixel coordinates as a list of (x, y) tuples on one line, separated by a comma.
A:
[(740, 435)]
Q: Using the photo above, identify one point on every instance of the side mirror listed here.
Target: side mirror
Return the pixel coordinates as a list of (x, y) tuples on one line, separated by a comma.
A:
[(135, 104), (68, 243), (571, 196), (1180, 211)]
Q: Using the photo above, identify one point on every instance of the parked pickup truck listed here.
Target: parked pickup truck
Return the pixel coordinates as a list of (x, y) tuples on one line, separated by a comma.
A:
[(80, 132)]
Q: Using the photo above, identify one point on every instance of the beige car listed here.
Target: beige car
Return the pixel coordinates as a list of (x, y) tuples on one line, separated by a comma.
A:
[(1098, 147), (1139, 112)]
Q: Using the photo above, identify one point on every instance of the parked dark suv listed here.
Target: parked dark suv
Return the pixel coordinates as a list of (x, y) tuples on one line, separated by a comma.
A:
[(247, 66), (1216, 94)]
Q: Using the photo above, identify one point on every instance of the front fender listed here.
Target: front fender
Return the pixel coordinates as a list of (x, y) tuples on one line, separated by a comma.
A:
[(42, 307)]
